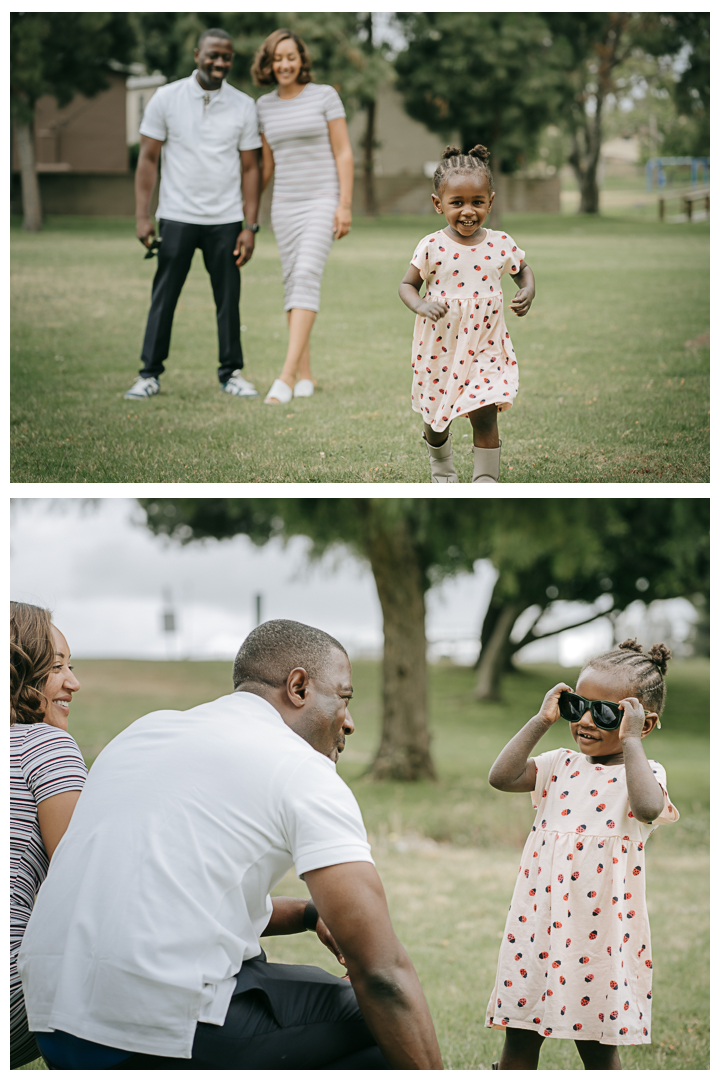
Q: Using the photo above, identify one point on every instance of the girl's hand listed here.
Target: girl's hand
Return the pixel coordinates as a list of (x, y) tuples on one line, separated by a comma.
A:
[(329, 941), (633, 721), (549, 711), (343, 222), (522, 300), (431, 309)]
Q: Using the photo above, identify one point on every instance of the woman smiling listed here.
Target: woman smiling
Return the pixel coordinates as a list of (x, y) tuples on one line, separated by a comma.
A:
[(306, 147), (47, 773)]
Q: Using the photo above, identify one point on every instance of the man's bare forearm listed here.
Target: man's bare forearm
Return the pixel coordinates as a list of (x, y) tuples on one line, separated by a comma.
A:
[(145, 179), (250, 186), (287, 917)]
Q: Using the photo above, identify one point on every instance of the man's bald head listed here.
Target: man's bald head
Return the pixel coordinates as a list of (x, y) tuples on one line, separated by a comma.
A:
[(275, 648)]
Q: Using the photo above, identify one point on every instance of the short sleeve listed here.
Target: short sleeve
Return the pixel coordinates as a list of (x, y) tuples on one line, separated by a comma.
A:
[(333, 108), (154, 121), (545, 767), (511, 255), (52, 763), (421, 258), (322, 820), (669, 813), (250, 132)]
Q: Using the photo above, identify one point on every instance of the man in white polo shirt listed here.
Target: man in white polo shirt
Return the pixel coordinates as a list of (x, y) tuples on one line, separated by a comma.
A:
[(205, 130), (143, 949)]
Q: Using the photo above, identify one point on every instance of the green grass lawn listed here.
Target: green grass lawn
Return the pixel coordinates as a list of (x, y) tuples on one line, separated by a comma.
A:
[(447, 852), (608, 389)]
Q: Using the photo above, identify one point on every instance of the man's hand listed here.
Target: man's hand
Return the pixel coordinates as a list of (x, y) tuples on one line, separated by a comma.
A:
[(244, 247), (350, 897), (145, 231), (329, 941)]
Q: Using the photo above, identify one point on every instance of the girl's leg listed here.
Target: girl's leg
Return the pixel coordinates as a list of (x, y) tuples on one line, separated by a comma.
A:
[(521, 1049), (597, 1055), (435, 438), (484, 425)]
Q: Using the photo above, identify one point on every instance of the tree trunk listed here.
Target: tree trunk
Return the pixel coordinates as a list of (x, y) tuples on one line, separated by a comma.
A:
[(369, 160), (404, 752), (32, 207), (496, 651)]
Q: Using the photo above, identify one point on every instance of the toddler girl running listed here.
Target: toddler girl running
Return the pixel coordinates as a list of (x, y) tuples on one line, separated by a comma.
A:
[(576, 961), (462, 355)]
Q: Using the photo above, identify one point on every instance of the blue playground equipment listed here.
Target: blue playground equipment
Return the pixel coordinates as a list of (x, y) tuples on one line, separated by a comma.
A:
[(656, 168)]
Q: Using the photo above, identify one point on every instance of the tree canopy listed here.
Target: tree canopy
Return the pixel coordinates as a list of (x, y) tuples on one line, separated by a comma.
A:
[(543, 549)]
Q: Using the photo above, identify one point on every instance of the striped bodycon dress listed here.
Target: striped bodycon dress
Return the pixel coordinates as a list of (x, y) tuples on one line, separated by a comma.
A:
[(306, 188), (44, 761)]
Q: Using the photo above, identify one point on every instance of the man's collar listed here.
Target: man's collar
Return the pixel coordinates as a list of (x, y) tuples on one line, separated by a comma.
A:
[(198, 89)]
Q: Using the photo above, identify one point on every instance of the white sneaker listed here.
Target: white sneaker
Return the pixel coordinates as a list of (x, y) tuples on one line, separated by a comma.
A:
[(143, 387), (239, 386)]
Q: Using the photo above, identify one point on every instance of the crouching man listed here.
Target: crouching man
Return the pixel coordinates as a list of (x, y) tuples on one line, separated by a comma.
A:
[(143, 949)]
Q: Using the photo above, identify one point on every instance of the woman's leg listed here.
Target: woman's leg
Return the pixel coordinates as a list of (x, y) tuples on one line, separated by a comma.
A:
[(521, 1049), (297, 360), (597, 1055), (485, 429)]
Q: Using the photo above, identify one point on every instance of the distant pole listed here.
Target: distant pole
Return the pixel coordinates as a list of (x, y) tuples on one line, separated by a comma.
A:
[(258, 609), (169, 622)]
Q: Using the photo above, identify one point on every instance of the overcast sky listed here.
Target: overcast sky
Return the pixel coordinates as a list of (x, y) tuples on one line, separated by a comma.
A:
[(107, 580)]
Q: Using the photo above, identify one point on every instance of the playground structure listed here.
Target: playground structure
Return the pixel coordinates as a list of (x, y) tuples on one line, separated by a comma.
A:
[(699, 169)]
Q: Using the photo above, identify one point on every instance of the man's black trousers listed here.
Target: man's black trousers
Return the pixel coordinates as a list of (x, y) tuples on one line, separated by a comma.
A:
[(179, 241), (281, 1016)]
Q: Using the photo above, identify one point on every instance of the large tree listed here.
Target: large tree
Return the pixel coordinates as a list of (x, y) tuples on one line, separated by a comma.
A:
[(594, 47), (543, 549), (491, 78), (62, 54), (409, 544), (606, 552)]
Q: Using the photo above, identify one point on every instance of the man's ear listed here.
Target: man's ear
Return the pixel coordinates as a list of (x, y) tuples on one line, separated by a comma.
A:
[(296, 687)]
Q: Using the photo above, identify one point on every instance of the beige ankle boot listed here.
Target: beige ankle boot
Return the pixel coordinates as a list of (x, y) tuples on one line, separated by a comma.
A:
[(486, 465), (442, 470)]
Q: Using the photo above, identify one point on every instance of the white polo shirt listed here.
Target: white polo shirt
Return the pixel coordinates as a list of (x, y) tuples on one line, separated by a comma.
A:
[(200, 175), (159, 890)]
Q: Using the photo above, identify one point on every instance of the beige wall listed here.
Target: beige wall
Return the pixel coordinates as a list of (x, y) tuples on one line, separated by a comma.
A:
[(88, 135), (406, 146)]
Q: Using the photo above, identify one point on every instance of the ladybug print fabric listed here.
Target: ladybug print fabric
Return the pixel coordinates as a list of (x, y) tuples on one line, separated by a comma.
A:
[(467, 360), (578, 914)]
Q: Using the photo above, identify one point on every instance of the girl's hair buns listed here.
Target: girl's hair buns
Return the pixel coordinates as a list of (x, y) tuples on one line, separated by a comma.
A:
[(644, 671), (453, 160)]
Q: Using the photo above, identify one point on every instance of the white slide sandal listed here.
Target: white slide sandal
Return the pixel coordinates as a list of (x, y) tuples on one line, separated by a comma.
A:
[(279, 393), (304, 388)]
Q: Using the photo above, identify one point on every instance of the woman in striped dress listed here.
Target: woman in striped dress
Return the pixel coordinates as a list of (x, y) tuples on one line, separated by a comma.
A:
[(47, 773), (306, 146)]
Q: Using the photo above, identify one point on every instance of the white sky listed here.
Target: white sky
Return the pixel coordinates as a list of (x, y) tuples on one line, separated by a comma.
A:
[(105, 576)]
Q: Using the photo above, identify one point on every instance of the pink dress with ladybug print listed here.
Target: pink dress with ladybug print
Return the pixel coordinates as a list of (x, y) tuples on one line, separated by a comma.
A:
[(466, 360), (576, 959)]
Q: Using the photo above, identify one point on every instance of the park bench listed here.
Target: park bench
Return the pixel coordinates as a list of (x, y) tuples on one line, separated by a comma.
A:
[(687, 198)]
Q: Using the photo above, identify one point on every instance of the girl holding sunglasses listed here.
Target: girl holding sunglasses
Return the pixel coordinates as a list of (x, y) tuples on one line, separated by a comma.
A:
[(575, 962)]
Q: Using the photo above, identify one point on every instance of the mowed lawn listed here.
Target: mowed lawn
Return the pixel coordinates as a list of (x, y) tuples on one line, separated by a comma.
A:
[(448, 851), (609, 389)]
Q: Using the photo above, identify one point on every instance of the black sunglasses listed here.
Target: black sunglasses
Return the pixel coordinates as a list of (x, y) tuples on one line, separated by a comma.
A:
[(606, 715)]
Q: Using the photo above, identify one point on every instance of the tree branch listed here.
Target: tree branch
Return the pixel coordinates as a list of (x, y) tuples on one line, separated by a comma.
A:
[(529, 636)]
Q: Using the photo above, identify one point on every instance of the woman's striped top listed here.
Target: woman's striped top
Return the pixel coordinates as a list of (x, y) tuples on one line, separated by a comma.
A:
[(296, 130), (44, 761)]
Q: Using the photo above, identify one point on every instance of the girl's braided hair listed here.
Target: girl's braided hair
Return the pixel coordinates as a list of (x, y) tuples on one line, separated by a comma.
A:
[(645, 672), (32, 656), (453, 160)]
